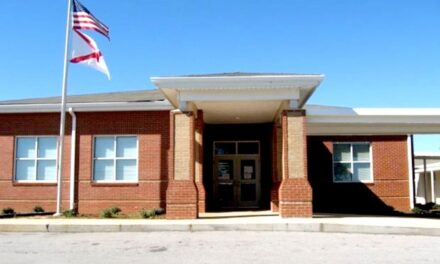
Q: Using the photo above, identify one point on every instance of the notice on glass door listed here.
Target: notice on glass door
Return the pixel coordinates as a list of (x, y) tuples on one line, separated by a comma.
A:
[(248, 169), (224, 170), (248, 172)]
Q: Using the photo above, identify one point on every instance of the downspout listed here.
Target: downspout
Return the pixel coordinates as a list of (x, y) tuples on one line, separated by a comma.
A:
[(411, 172), (72, 160)]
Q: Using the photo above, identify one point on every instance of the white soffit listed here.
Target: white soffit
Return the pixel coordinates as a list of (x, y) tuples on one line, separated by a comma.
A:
[(324, 120), (252, 98)]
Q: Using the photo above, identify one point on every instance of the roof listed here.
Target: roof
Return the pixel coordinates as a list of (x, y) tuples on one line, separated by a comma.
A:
[(253, 88), (130, 96), (146, 100), (242, 74)]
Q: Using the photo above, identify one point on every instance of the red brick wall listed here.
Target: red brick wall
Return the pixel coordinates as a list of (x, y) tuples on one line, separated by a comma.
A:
[(388, 192), (23, 197), (155, 157), (152, 129)]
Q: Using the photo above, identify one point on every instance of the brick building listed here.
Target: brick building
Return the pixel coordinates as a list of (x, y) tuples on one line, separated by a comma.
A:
[(211, 142)]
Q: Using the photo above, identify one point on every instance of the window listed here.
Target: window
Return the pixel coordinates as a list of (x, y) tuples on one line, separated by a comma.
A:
[(115, 158), (352, 162), (35, 159), (236, 148)]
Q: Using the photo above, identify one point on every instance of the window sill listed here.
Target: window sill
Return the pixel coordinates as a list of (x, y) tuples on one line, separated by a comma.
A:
[(34, 184), (114, 184)]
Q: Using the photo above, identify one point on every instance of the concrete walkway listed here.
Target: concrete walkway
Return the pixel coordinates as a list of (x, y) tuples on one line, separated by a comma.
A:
[(233, 222)]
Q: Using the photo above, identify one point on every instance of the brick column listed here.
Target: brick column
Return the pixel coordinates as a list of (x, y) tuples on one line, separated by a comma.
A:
[(295, 192), (199, 162), (181, 197), (276, 167)]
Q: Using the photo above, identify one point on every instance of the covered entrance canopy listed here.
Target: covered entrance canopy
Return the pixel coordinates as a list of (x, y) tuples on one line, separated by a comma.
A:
[(237, 98), (218, 110)]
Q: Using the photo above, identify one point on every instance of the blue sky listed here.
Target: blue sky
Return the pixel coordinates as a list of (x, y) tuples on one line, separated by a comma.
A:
[(373, 53)]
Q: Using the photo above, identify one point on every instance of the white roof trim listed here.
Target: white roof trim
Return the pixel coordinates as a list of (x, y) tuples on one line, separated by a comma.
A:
[(346, 111), (344, 120), (432, 154), (236, 82), (87, 107)]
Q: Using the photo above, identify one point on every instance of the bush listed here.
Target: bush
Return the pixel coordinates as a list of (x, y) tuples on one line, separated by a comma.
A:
[(159, 211), (150, 213), (8, 211), (38, 209), (70, 213), (436, 207), (115, 210), (106, 213), (418, 210), (110, 212)]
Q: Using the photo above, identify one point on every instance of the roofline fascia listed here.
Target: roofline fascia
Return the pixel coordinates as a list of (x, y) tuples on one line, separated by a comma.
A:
[(245, 77), (195, 83), (374, 115), (87, 107)]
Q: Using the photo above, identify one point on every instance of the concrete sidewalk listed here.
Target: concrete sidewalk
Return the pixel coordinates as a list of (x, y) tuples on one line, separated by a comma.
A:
[(214, 222)]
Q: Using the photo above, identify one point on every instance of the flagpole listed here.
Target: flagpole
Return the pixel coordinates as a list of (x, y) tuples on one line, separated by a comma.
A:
[(63, 110)]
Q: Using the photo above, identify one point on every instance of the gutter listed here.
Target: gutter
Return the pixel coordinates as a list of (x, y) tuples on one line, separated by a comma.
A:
[(72, 160)]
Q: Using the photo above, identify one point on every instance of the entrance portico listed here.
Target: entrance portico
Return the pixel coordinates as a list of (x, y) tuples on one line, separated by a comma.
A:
[(237, 179)]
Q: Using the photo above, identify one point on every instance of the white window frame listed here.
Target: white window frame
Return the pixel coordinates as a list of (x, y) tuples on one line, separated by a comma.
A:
[(352, 162), (36, 159), (115, 159)]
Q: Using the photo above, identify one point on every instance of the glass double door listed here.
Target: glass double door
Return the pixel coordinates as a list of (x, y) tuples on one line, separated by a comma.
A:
[(237, 181)]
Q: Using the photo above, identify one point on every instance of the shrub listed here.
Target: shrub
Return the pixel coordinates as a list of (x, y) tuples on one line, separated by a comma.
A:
[(8, 210), (436, 207), (70, 213), (417, 210), (106, 213), (159, 211), (151, 213), (110, 212), (115, 210), (38, 209), (147, 213)]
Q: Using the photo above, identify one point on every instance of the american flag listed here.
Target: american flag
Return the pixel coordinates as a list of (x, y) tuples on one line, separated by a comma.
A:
[(84, 19)]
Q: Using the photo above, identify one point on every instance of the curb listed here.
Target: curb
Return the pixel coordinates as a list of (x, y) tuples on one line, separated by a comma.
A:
[(210, 227)]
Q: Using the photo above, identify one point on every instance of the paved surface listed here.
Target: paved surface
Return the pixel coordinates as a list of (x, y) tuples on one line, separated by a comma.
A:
[(216, 247), (332, 224)]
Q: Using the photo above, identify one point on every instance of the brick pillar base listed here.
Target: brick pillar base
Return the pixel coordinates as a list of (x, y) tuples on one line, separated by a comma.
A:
[(295, 198), (181, 200), (202, 197), (274, 197)]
